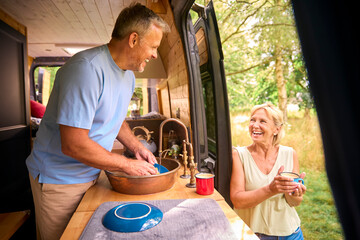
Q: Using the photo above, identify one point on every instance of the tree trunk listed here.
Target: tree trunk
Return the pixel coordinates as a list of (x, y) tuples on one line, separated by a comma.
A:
[(280, 81), (307, 113)]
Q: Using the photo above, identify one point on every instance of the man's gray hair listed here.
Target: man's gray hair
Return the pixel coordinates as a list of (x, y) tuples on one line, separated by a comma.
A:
[(137, 18)]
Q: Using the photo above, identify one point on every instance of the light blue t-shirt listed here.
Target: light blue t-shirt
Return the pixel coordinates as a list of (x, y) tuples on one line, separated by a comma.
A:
[(90, 92)]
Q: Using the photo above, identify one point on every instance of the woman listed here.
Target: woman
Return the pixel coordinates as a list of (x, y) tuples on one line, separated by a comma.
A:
[(261, 197)]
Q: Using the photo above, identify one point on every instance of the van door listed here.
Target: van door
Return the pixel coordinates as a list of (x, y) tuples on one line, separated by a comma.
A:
[(214, 93), (15, 121), (208, 94)]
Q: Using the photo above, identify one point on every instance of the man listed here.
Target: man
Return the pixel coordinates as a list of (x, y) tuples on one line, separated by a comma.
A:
[(85, 114)]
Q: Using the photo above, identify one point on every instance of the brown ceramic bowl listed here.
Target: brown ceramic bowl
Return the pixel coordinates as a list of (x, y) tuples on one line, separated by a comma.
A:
[(139, 185)]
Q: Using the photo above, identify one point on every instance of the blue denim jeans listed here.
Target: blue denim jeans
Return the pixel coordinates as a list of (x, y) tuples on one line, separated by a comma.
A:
[(297, 235)]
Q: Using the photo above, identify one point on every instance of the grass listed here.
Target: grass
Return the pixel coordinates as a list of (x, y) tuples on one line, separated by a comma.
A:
[(318, 215), (319, 219)]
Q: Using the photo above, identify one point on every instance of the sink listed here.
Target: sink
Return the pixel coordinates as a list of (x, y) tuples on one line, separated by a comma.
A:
[(139, 185)]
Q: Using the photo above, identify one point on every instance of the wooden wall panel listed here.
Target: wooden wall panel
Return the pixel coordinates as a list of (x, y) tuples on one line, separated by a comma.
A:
[(202, 45), (172, 54), (30, 61), (12, 22), (145, 94), (165, 102), (157, 6)]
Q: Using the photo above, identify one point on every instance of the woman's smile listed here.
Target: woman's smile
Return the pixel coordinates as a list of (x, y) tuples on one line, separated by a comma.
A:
[(257, 133), (262, 127)]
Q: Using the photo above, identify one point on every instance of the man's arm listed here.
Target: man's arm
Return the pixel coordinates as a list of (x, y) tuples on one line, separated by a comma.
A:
[(130, 141), (75, 142)]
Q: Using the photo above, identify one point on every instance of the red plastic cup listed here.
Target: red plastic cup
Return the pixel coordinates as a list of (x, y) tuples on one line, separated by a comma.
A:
[(204, 183)]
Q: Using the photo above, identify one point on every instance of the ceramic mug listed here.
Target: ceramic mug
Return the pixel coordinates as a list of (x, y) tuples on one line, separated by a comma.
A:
[(294, 176), (204, 183)]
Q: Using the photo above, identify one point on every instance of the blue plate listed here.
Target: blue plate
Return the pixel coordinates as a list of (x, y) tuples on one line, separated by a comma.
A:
[(160, 168), (132, 217)]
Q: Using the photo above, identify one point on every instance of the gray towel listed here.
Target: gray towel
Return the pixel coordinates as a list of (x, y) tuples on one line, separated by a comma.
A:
[(199, 219)]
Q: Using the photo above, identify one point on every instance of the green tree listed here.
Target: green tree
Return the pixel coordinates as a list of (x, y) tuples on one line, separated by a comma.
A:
[(262, 53)]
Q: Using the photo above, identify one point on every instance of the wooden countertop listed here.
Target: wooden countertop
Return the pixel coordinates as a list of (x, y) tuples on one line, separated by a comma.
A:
[(102, 192)]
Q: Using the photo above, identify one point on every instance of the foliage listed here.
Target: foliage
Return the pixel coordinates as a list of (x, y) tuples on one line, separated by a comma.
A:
[(319, 219), (265, 90), (138, 93), (52, 70), (251, 32)]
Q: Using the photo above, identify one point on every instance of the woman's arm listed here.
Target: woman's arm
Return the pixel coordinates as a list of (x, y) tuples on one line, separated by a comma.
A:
[(296, 197), (247, 199)]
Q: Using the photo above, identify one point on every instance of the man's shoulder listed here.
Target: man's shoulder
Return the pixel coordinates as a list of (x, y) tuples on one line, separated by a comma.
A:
[(86, 61), (89, 55)]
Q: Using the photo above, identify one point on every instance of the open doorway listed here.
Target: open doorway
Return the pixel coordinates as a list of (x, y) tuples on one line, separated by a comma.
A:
[(264, 63)]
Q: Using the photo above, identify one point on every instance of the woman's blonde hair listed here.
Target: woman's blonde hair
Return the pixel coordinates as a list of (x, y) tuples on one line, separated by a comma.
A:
[(277, 117)]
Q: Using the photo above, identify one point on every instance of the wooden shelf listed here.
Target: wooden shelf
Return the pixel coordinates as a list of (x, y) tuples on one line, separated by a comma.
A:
[(11, 222)]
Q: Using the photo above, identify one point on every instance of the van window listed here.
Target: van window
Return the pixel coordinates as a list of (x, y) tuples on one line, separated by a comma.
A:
[(208, 82), (144, 102), (44, 77)]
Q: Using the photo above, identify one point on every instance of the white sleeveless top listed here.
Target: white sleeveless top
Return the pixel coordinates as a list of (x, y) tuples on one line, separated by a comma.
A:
[(273, 216)]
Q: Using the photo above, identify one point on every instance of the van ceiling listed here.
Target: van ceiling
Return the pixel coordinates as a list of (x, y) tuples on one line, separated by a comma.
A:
[(53, 25)]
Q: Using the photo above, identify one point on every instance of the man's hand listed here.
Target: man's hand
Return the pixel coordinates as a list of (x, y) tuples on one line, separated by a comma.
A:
[(145, 159), (144, 154), (139, 168), (128, 139)]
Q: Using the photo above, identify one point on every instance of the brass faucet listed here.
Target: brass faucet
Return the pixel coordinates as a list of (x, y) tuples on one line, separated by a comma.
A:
[(164, 153), (192, 183), (185, 157), (185, 142)]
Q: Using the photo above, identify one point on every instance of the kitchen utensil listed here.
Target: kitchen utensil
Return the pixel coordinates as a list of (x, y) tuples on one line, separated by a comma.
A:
[(160, 168), (204, 183), (132, 217), (138, 185)]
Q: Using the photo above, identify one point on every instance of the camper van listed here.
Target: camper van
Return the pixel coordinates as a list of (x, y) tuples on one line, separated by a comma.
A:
[(185, 82), (180, 96)]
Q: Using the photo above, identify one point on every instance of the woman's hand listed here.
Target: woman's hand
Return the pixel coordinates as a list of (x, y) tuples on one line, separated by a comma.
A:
[(300, 189), (295, 198), (282, 184)]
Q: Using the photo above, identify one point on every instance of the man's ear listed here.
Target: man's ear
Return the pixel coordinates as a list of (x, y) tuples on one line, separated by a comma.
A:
[(133, 39)]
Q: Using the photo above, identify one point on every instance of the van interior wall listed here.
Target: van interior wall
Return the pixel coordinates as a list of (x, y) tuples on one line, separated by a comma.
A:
[(15, 190), (174, 91), (12, 23)]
